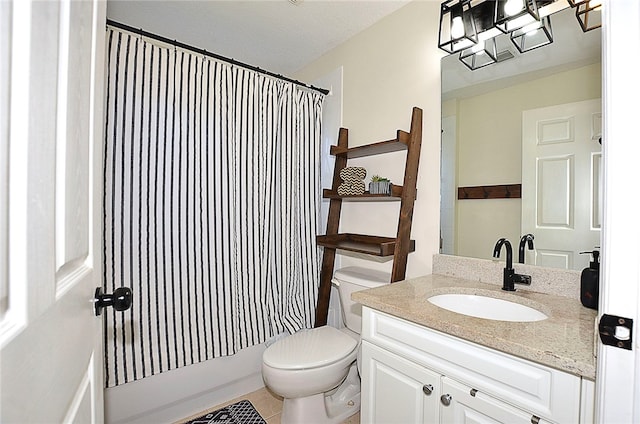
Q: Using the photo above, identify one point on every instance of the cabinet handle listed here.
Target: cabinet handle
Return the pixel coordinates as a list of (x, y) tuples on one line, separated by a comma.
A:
[(427, 389), (445, 399)]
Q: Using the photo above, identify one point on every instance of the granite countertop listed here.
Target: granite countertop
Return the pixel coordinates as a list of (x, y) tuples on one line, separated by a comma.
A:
[(564, 341)]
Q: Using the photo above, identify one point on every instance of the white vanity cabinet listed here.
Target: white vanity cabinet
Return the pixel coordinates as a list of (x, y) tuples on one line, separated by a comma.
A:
[(414, 374)]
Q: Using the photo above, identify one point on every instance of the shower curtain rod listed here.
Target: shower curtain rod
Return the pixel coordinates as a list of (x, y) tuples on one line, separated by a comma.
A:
[(176, 43)]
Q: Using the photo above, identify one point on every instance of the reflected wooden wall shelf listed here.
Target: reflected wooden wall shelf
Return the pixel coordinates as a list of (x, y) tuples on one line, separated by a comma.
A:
[(503, 191)]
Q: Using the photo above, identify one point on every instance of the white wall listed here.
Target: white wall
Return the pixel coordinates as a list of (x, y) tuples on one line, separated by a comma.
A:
[(331, 122), (388, 69)]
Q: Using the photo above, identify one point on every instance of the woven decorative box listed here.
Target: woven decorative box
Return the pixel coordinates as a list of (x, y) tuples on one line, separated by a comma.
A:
[(380, 187)]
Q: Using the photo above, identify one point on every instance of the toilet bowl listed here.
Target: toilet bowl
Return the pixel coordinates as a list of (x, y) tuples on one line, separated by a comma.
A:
[(315, 370)]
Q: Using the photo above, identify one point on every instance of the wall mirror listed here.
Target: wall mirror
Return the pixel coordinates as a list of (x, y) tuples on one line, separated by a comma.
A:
[(521, 149)]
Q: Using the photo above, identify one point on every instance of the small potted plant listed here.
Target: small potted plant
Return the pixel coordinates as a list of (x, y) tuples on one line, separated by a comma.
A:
[(379, 185)]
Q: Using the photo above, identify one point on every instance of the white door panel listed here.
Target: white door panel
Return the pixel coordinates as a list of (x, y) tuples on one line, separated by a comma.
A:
[(51, 363), (555, 194), (596, 190), (561, 150)]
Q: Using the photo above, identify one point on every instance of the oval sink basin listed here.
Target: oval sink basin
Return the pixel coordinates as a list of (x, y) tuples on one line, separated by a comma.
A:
[(487, 307)]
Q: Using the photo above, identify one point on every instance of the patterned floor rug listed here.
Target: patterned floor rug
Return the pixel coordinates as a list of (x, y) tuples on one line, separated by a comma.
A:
[(241, 412)]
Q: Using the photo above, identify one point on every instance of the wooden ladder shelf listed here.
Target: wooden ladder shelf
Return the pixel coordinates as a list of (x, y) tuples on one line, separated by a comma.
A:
[(401, 245)]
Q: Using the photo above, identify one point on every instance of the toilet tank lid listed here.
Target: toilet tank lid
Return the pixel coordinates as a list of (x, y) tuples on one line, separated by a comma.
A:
[(362, 276)]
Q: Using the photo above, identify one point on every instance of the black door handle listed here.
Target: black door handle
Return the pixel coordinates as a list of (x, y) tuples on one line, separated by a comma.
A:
[(121, 299)]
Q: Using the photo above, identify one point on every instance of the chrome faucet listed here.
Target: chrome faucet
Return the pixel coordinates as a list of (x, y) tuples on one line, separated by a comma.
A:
[(510, 278), (528, 240)]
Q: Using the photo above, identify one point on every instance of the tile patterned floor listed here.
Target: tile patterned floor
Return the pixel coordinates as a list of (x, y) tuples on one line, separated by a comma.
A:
[(267, 404)]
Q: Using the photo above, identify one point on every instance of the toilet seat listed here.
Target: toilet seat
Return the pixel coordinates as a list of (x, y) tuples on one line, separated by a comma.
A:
[(310, 348)]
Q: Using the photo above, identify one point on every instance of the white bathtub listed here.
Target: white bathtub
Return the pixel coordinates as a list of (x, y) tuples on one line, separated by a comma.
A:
[(180, 393)]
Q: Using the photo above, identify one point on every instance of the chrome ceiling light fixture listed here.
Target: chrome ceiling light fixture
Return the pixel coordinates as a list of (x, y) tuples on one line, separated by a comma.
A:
[(588, 13), (511, 15), (532, 36), (480, 55), (457, 26)]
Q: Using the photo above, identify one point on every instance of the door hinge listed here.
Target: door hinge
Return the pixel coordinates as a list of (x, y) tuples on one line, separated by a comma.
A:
[(616, 331)]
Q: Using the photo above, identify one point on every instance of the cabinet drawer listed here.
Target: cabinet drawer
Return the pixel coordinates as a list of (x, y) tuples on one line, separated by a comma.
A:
[(465, 406), (544, 391)]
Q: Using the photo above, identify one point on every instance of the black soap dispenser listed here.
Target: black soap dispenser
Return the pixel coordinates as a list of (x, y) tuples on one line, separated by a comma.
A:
[(590, 281)]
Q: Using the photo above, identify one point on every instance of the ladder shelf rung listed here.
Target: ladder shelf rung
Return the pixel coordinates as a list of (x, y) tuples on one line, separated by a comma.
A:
[(395, 196), (371, 245), (396, 145)]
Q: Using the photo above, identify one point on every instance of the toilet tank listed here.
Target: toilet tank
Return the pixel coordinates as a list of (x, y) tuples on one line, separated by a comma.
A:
[(352, 279)]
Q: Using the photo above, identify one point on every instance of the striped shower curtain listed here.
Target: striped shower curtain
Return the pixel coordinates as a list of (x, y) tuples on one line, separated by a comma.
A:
[(211, 193)]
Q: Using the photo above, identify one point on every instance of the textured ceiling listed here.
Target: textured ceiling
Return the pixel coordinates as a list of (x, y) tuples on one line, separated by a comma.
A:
[(283, 37), (276, 35)]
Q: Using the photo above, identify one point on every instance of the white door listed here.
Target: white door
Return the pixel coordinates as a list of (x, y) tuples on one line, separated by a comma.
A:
[(395, 390), (561, 191), (50, 139), (618, 372)]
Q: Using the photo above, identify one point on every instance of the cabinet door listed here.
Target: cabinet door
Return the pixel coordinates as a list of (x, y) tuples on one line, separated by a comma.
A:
[(395, 390), (460, 404)]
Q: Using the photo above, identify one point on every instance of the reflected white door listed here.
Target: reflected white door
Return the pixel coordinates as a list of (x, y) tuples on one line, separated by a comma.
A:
[(50, 139), (561, 189)]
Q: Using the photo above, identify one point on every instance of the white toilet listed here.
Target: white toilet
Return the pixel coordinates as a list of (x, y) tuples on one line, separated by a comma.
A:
[(315, 370)]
